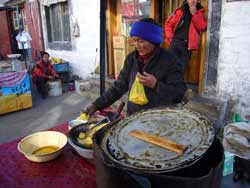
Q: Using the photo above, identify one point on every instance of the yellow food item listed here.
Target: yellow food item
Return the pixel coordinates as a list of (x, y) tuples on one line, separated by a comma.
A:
[(83, 116), (91, 126), (55, 60), (45, 150), (52, 60), (81, 135), (87, 140), (80, 141), (94, 130)]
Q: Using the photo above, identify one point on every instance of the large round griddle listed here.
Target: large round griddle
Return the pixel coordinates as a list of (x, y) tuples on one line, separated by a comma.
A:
[(179, 125)]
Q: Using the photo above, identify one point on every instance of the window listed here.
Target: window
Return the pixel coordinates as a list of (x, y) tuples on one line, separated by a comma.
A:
[(58, 26)]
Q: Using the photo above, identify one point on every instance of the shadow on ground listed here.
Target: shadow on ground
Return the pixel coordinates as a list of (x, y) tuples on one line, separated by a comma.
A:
[(43, 115)]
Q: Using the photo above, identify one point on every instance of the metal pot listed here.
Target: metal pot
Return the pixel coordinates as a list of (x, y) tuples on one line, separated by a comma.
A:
[(179, 125)]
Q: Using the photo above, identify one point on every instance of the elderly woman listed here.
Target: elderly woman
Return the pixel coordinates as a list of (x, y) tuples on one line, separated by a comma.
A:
[(155, 68)]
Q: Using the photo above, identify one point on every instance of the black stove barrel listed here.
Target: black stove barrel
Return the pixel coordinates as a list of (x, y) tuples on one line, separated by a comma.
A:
[(120, 161)]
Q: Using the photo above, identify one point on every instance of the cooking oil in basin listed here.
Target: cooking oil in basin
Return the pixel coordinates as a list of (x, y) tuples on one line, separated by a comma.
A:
[(45, 150), (181, 126)]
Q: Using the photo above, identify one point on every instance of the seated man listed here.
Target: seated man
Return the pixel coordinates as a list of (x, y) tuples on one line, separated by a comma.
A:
[(43, 72), (155, 68)]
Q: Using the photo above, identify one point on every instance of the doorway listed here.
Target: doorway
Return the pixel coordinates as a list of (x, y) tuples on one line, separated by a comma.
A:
[(16, 18), (195, 72)]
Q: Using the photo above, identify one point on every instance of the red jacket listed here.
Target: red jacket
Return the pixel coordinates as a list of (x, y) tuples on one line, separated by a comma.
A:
[(197, 25), (40, 70)]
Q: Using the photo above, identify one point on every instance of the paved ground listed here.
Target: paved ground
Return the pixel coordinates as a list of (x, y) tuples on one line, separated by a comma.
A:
[(44, 114)]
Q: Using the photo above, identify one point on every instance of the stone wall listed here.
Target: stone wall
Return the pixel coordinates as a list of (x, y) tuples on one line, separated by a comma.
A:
[(213, 41), (233, 78)]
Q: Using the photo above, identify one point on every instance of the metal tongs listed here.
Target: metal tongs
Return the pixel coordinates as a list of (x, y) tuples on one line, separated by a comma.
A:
[(104, 120), (115, 118)]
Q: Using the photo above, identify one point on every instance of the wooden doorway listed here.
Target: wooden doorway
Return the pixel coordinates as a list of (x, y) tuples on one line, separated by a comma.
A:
[(121, 14), (195, 72), (16, 18)]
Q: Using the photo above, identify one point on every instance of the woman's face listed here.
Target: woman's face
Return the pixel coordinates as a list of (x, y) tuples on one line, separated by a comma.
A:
[(45, 58), (192, 2), (143, 47)]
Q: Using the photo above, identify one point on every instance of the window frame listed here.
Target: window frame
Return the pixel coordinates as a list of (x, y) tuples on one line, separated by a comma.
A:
[(57, 44)]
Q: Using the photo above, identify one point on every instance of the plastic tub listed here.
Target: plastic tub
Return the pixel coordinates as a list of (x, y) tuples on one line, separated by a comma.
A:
[(54, 88)]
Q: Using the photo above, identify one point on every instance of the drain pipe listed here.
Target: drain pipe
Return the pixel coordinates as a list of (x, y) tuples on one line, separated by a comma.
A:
[(102, 45)]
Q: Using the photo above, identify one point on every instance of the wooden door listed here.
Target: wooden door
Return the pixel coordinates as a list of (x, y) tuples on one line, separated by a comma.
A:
[(195, 72), (121, 14), (13, 29)]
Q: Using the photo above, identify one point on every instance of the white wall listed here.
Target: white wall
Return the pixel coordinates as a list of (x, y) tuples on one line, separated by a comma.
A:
[(234, 56), (82, 58)]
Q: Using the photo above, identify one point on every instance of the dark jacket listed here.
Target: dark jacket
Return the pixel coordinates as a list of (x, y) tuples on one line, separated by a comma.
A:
[(197, 25), (169, 89)]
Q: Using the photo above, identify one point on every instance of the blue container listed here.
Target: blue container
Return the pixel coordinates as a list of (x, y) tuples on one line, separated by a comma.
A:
[(61, 67)]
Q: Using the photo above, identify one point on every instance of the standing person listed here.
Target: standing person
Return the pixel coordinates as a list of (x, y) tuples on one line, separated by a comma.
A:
[(23, 40), (43, 72), (154, 67), (182, 29)]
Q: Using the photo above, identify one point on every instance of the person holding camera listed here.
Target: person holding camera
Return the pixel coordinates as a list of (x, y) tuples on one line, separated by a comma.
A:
[(183, 28)]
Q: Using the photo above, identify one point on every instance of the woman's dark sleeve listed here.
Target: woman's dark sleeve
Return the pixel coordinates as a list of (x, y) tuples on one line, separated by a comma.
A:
[(119, 87), (173, 88)]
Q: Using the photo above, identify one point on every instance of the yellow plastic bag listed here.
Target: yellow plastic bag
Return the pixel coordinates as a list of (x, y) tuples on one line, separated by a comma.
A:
[(137, 93)]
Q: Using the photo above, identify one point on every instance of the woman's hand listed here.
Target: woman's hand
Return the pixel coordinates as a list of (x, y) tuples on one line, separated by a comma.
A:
[(147, 79), (192, 9), (90, 110)]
